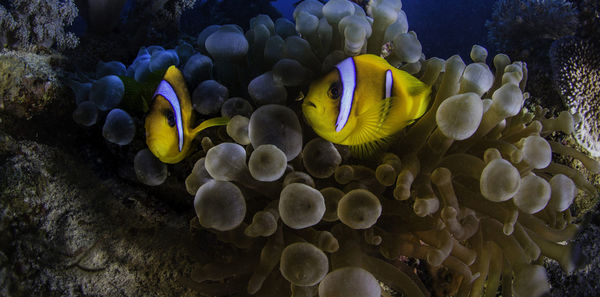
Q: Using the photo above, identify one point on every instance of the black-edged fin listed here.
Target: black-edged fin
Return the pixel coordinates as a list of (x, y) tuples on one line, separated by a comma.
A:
[(370, 150), (415, 87), (420, 92)]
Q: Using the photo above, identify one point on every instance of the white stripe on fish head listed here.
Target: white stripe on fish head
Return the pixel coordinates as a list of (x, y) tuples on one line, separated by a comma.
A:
[(389, 82), (347, 71), (166, 90)]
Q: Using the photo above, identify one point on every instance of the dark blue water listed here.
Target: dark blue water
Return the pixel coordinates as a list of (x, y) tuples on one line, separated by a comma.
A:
[(286, 7), (445, 28)]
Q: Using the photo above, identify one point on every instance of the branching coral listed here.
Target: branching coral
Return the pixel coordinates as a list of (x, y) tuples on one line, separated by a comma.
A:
[(470, 187), (576, 70), (518, 25), (25, 23), (589, 18)]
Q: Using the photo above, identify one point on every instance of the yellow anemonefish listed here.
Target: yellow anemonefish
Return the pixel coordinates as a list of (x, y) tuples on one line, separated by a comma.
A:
[(363, 101), (169, 133)]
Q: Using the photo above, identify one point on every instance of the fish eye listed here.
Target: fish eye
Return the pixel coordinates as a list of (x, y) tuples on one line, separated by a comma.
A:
[(335, 90), (168, 113)]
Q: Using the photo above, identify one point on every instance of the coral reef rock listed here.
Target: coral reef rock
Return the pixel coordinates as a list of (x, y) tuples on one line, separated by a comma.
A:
[(65, 232), (576, 70), (582, 282), (28, 83)]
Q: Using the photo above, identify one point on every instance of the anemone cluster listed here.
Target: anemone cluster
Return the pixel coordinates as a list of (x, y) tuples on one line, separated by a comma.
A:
[(95, 98), (470, 187)]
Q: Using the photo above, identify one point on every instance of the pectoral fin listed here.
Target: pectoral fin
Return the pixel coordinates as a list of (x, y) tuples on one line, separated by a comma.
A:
[(370, 150), (379, 121), (376, 126)]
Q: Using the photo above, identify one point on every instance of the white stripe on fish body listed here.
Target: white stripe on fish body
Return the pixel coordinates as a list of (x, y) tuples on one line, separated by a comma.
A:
[(166, 90), (347, 70), (389, 83)]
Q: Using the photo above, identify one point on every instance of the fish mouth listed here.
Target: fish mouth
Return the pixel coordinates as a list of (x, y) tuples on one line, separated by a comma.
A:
[(309, 109), (155, 151), (309, 104)]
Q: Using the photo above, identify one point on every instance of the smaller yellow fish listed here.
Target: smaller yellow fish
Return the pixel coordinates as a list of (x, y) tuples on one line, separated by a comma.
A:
[(363, 102), (169, 134)]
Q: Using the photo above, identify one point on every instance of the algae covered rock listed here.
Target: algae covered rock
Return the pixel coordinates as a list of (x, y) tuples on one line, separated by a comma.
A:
[(29, 83), (65, 230)]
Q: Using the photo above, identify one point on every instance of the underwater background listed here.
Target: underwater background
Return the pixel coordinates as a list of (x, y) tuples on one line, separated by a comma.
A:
[(492, 192)]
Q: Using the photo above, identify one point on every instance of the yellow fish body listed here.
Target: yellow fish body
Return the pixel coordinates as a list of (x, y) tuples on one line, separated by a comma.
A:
[(363, 101), (169, 133)]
